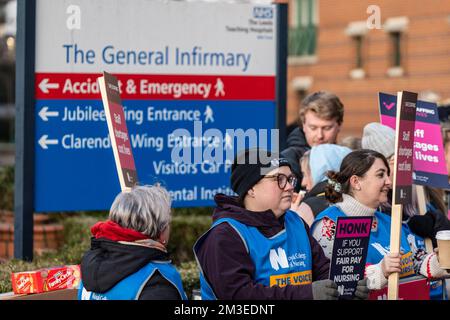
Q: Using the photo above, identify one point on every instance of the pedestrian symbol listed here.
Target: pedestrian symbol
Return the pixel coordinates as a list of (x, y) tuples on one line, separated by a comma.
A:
[(219, 86), (208, 114)]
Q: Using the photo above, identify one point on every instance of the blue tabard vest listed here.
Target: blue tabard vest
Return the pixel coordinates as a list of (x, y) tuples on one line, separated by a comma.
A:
[(379, 244), (284, 259), (131, 287)]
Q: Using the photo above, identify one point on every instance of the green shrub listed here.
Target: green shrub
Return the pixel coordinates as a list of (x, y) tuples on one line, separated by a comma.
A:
[(184, 231), (7, 188), (199, 211), (190, 276), (77, 238)]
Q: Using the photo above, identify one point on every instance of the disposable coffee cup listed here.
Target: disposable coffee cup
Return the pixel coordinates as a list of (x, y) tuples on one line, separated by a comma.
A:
[(443, 240)]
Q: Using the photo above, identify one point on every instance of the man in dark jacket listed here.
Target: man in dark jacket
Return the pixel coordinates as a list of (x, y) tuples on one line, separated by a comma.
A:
[(320, 118)]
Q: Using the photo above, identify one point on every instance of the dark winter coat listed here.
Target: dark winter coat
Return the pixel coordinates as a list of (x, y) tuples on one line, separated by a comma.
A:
[(296, 147), (108, 262), (315, 198), (228, 267)]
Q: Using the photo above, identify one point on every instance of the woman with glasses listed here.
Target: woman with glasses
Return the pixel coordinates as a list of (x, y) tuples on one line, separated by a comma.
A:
[(257, 248)]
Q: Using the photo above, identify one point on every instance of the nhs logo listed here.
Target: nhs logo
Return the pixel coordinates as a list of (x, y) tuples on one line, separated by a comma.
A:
[(262, 12)]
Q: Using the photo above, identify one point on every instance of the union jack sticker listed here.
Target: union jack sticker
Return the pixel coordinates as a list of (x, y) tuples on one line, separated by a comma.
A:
[(328, 228), (374, 227)]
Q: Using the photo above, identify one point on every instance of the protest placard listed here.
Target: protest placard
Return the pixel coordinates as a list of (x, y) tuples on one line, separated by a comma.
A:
[(404, 144), (429, 166), (349, 253), (118, 131), (429, 160)]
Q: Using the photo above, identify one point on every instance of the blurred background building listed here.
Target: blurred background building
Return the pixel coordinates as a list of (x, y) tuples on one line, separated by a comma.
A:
[(331, 48)]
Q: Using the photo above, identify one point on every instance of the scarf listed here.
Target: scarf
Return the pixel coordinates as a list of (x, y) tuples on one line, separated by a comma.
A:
[(112, 231)]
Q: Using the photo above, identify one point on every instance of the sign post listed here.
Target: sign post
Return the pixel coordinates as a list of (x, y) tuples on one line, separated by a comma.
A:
[(281, 66), (24, 132), (402, 182)]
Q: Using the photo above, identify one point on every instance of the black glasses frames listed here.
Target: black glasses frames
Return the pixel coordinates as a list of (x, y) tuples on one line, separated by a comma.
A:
[(283, 179)]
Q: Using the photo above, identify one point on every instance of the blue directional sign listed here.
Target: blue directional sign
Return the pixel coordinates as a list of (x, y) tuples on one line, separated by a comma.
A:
[(74, 157), (197, 82)]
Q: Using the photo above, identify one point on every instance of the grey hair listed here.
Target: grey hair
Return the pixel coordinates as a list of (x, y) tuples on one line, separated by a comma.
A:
[(145, 209)]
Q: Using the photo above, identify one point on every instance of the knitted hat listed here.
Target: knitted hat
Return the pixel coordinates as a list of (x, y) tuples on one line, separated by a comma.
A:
[(250, 166), (325, 157), (379, 138)]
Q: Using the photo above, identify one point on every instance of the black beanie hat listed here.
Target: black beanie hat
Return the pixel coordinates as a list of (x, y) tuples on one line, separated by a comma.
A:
[(250, 166)]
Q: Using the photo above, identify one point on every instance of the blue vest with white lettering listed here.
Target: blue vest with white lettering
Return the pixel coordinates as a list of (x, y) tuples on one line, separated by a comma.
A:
[(380, 241), (284, 259), (131, 287)]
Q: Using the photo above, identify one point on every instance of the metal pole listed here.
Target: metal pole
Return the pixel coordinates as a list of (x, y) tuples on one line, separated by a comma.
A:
[(24, 130), (281, 69)]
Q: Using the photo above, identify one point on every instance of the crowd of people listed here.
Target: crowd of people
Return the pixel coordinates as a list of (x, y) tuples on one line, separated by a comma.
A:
[(285, 209)]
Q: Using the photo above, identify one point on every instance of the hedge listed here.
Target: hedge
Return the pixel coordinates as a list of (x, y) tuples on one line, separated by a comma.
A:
[(7, 188)]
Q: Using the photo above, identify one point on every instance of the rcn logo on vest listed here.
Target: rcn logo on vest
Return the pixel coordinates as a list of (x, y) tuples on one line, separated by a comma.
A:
[(278, 259)]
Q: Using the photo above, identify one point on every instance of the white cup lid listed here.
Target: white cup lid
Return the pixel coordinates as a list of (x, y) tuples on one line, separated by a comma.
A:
[(443, 235)]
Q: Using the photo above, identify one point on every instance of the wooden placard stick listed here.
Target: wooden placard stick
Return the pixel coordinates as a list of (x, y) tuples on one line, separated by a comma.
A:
[(422, 204), (402, 175), (396, 226)]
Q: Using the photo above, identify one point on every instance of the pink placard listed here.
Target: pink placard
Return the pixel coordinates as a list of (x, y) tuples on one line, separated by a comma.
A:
[(355, 228), (121, 136), (429, 162), (428, 149)]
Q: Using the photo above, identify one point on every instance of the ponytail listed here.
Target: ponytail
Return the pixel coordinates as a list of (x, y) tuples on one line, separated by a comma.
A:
[(333, 190)]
